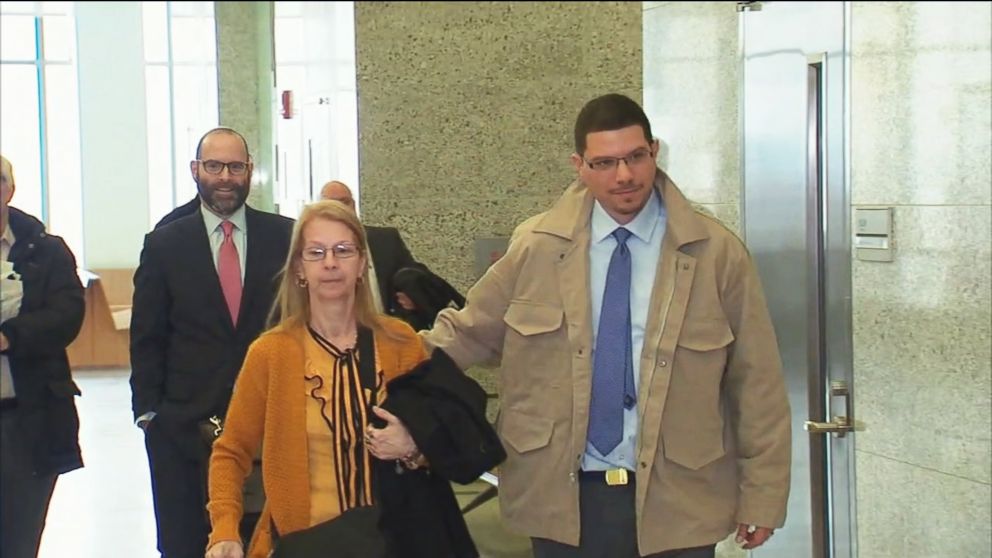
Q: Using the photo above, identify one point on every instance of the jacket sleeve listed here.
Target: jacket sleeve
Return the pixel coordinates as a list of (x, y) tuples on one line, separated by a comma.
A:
[(48, 330), (149, 330), (475, 333), (233, 452), (756, 393)]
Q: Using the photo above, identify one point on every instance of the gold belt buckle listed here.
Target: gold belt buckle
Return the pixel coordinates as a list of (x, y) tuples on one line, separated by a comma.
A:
[(616, 477)]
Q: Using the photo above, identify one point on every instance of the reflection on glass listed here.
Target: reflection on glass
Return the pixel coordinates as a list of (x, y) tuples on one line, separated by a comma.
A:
[(315, 59), (155, 29), (178, 113), (19, 135), (193, 39), (17, 7), (60, 37), (194, 112), (17, 37), (65, 189), (160, 177)]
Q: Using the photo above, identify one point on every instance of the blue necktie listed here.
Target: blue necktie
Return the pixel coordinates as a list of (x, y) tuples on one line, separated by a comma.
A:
[(612, 364)]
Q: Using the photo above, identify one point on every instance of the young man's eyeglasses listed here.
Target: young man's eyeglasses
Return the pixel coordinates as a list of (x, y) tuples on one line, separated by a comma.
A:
[(236, 168), (604, 164), (341, 251)]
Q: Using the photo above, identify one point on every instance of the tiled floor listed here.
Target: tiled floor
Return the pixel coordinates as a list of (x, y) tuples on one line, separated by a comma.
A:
[(105, 509)]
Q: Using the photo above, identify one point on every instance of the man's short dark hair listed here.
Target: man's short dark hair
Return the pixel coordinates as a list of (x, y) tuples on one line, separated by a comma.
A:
[(606, 113), (221, 130)]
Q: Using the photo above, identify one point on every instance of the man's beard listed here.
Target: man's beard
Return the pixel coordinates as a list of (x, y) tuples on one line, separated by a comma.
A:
[(225, 205)]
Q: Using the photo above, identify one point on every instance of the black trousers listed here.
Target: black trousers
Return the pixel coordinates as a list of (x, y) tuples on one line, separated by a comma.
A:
[(24, 496), (179, 492), (608, 526)]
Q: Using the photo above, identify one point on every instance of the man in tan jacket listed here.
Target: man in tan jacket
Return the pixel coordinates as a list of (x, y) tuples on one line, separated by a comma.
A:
[(643, 407)]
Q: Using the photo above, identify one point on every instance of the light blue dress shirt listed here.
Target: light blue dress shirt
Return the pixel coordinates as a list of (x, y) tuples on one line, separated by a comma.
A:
[(648, 230)]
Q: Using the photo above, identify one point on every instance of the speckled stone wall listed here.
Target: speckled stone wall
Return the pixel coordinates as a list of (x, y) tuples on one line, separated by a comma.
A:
[(245, 82), (466, 111), (921, 99)]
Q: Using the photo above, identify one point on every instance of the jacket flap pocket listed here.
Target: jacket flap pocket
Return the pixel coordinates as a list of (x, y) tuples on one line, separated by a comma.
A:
[(64, 388), (705, 335), (531, 318), (694, 453), (525, 432)]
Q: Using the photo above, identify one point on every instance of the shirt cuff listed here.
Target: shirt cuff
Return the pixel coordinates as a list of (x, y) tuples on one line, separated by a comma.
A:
[(147, 417)]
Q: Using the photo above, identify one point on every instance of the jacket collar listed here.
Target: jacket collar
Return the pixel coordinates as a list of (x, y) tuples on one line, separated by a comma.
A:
[(23, 225), (573, 210)]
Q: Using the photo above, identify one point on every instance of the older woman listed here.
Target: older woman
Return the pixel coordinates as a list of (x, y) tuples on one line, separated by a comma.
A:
[(307, 388)]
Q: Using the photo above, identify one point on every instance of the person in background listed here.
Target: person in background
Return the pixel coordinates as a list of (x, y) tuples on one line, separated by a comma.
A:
[(643, 407), (42, 312), (188, 208), (303, 393), (202, 294), (401, 286)]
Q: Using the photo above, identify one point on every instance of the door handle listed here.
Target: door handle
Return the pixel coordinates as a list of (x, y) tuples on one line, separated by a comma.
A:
[(840, 425)]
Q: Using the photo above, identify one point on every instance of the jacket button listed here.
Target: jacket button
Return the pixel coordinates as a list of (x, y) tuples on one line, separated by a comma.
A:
[(644, 465), (663, 363)]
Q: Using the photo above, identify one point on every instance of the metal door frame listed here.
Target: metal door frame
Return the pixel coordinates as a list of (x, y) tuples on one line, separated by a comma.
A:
[(828, 268)]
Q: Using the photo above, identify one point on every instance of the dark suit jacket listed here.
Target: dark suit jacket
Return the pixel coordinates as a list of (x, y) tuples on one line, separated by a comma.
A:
[(389, 255), (185, 352), (49, 319), (183, 210), (397, 271)]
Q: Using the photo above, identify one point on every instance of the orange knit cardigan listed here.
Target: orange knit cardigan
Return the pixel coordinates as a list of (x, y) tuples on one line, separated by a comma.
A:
[(268, 404)]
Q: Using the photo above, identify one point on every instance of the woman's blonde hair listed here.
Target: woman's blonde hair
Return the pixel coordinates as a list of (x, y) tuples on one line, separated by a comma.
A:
[(292, 305)]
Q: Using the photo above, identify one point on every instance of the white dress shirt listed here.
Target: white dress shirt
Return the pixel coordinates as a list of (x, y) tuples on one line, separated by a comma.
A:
[(216, 234), (6, 380)]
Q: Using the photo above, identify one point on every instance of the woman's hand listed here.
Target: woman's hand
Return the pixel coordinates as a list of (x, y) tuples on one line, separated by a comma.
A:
[(226, 549), (392, 442)]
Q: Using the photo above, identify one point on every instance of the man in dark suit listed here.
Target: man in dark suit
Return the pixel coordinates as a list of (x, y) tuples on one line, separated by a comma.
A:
[(202, 293), (402, 286)]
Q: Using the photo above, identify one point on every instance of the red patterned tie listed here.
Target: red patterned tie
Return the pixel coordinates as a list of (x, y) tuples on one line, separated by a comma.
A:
[(229, 270)]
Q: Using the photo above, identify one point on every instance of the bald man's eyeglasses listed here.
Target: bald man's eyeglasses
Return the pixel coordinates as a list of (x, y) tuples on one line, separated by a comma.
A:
[(236, 168)]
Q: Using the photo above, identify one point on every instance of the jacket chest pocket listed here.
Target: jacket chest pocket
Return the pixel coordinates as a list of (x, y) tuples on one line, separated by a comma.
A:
[(532, 318), (693, 423), (536, 357)]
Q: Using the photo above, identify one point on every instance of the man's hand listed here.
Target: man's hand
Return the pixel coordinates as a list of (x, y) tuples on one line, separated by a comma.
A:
[(5, 344), (752, 536), (404, 301), (226, 549)]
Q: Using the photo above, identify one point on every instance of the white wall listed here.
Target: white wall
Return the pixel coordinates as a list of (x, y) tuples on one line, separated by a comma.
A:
[(113, 133)]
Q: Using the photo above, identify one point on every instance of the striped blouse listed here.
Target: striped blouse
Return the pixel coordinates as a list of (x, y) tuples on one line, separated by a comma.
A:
[(337, 414)]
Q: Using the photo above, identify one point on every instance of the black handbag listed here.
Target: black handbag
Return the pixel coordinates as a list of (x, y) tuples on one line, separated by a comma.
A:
[(355, 533)]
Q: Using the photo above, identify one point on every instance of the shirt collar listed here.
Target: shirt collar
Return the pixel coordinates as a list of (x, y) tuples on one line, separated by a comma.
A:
[(212, 221), (8, 235), (642, 226)]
